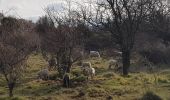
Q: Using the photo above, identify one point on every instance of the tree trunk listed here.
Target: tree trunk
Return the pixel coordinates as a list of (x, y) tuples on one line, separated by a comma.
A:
[(126, 61), (66, 81), (58, 63), (68, 68), (11, 87), (69, 64)]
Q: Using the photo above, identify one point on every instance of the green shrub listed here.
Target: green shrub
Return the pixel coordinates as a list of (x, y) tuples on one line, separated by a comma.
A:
[(80, 78), (150, 96)]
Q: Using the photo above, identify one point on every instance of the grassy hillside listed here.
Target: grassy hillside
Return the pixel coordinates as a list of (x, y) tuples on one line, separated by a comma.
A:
[(106, 83)]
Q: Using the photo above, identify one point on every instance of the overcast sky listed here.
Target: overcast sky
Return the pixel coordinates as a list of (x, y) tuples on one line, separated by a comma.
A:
[(26, 8)]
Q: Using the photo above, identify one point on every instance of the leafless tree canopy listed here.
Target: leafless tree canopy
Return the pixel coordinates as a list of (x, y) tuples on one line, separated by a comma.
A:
[(122, 18), (16, 43), (61, 37)]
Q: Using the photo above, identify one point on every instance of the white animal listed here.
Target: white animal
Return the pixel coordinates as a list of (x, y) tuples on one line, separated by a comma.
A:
[(113, 63), (94, 54), (92, 72), (43, 74), (89, 72)]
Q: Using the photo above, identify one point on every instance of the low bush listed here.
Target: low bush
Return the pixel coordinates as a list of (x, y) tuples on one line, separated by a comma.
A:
[(150, 96)]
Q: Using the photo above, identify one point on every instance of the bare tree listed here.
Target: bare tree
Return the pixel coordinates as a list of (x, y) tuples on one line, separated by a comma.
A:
[(61, 38), (122, 18), (16, 44), (159, 21)]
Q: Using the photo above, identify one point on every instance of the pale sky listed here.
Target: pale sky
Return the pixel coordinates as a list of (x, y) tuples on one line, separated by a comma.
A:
[(32, 9), (27, 9)]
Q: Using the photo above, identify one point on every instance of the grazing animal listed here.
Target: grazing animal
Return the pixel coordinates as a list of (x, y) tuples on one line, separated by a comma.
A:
[(94, 54), (92, 72), (43, 74), (113, 63), (89, 72)]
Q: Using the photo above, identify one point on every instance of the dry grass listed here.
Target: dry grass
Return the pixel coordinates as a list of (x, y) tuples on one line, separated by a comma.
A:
[(106, 83)]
